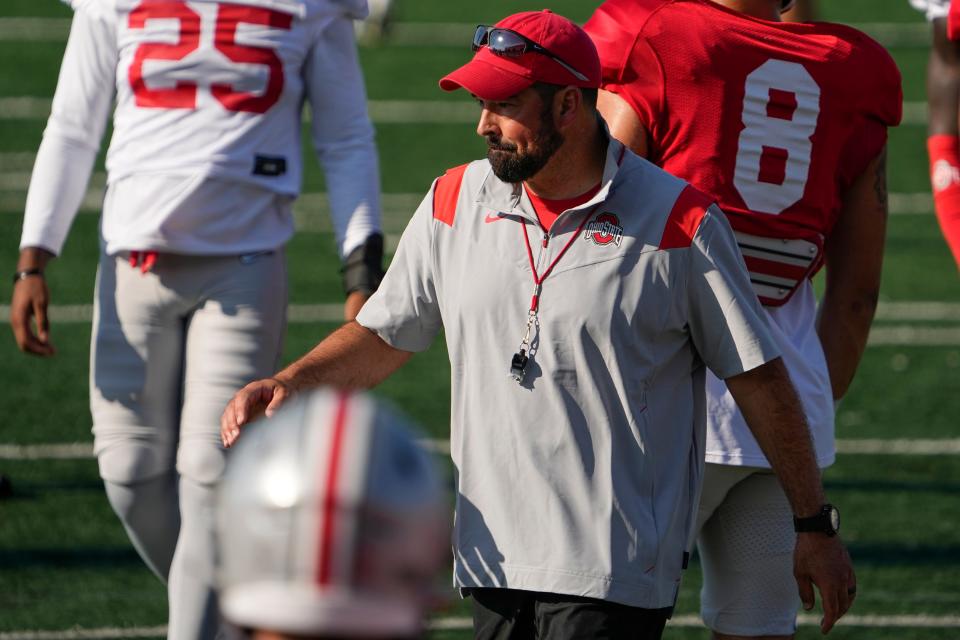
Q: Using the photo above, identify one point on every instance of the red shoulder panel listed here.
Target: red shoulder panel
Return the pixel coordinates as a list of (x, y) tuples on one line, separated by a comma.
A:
[(685, 218), (446, 193)]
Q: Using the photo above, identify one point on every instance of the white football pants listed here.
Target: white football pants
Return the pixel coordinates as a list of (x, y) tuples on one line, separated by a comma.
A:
[(746, 546), (169, 349)]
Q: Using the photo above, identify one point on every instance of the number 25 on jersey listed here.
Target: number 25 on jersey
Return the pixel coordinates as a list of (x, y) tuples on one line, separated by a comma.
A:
[(183, 95)]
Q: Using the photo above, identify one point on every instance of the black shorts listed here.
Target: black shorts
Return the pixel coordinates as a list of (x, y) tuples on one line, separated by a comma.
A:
[(511, 614)]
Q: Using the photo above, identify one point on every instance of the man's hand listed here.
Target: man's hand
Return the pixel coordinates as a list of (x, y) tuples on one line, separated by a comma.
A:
[(823, 561), (352, 357), (30, 301), (262, 397), (774, 414)]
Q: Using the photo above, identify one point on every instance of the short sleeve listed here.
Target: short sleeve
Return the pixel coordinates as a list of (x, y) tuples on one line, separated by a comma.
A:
[(881, 106), (405, 310), (727, 324), (629, 66)]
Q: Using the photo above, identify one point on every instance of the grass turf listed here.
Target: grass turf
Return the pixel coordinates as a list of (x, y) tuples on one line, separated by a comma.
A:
[(64, 560)]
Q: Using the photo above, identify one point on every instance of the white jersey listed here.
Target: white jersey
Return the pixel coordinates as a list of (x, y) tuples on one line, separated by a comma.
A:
[(793, 327), (205, 155), (933, 9)]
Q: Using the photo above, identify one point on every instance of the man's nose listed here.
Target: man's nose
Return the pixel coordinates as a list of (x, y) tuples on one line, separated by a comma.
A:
[(488, 124)]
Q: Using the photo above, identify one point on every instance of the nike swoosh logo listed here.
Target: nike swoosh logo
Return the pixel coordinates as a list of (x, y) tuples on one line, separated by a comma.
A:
[(495, 218)]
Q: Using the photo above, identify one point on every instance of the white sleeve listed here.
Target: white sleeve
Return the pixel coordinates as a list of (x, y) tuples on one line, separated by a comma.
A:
[(343, 135), (405, 309), (727, 323), (77, 120)]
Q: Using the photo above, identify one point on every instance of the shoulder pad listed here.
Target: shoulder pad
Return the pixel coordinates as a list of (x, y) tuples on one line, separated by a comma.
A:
[(614, 28), (884, 88), (874, 76), (629, 14)]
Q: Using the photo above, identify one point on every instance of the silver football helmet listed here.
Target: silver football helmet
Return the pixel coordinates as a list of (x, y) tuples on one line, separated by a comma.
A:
[(330, 520)]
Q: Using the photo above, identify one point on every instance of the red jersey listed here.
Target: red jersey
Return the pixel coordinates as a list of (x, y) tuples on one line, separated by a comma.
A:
[(774, 120)]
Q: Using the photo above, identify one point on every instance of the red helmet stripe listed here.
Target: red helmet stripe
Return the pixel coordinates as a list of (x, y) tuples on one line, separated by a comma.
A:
[(328, 506)]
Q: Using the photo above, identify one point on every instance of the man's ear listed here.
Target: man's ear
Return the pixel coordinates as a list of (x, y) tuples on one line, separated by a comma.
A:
[(567, 103)]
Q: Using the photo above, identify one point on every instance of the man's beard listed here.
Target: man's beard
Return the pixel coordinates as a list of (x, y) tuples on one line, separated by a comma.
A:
[(511, 166)]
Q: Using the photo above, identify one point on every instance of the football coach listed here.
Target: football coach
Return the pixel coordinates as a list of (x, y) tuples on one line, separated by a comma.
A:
[(582, 292)]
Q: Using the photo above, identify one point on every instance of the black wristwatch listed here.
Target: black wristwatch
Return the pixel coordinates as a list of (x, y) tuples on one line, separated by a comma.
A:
[(827, 521)]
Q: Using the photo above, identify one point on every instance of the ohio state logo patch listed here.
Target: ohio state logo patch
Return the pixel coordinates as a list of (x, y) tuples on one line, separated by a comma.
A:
[(604, 229), (944, 175)]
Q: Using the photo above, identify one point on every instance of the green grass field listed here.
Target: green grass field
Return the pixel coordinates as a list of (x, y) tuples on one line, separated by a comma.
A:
[(65, 561)]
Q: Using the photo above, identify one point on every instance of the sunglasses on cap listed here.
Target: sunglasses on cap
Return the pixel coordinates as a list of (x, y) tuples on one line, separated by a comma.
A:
[(510, 44)]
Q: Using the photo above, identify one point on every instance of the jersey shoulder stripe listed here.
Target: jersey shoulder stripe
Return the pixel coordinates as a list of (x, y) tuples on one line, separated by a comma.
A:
[(446, 194), (684, 219)]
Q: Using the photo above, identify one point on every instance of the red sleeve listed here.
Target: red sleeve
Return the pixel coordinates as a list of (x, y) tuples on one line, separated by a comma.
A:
[(881, 107), (629, 66)]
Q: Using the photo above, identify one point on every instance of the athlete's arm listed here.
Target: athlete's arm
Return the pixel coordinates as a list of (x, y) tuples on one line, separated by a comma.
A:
[(352, 357), (854, 257), (943, 82), (623, 122), (773, 412), (343, 137), (62, 169)]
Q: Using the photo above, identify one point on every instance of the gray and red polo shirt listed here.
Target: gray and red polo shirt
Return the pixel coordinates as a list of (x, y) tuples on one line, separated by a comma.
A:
[(583, 479)]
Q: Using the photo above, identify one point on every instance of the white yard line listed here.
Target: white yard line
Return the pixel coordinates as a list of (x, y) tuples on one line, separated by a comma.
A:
[(87, 634), (440, 446), (17, 160), (920, 203), (910, 312), (444, 34), (897, 34), (906, 335), (806, 620), (918, 311), (70, 451), (905, 621), (34, 29), (381, 111), (919, 447), (84, 450), (312, 208), (915, 113)]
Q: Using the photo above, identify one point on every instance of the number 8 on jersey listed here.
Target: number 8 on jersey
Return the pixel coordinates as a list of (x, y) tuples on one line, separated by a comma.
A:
[(781, 105)]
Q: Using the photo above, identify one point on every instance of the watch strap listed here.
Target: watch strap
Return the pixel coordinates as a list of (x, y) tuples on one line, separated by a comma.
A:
[(23, 274), (822, 522)]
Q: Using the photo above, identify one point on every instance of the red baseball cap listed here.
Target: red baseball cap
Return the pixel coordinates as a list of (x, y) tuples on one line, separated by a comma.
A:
[(494, 77)]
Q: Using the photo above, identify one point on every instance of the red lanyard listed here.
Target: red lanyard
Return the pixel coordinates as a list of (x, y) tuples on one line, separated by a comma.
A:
[(538, 280), (518, 363)]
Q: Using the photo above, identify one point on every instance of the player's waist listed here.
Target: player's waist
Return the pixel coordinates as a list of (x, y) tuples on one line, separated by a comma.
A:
[(277, 173)]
